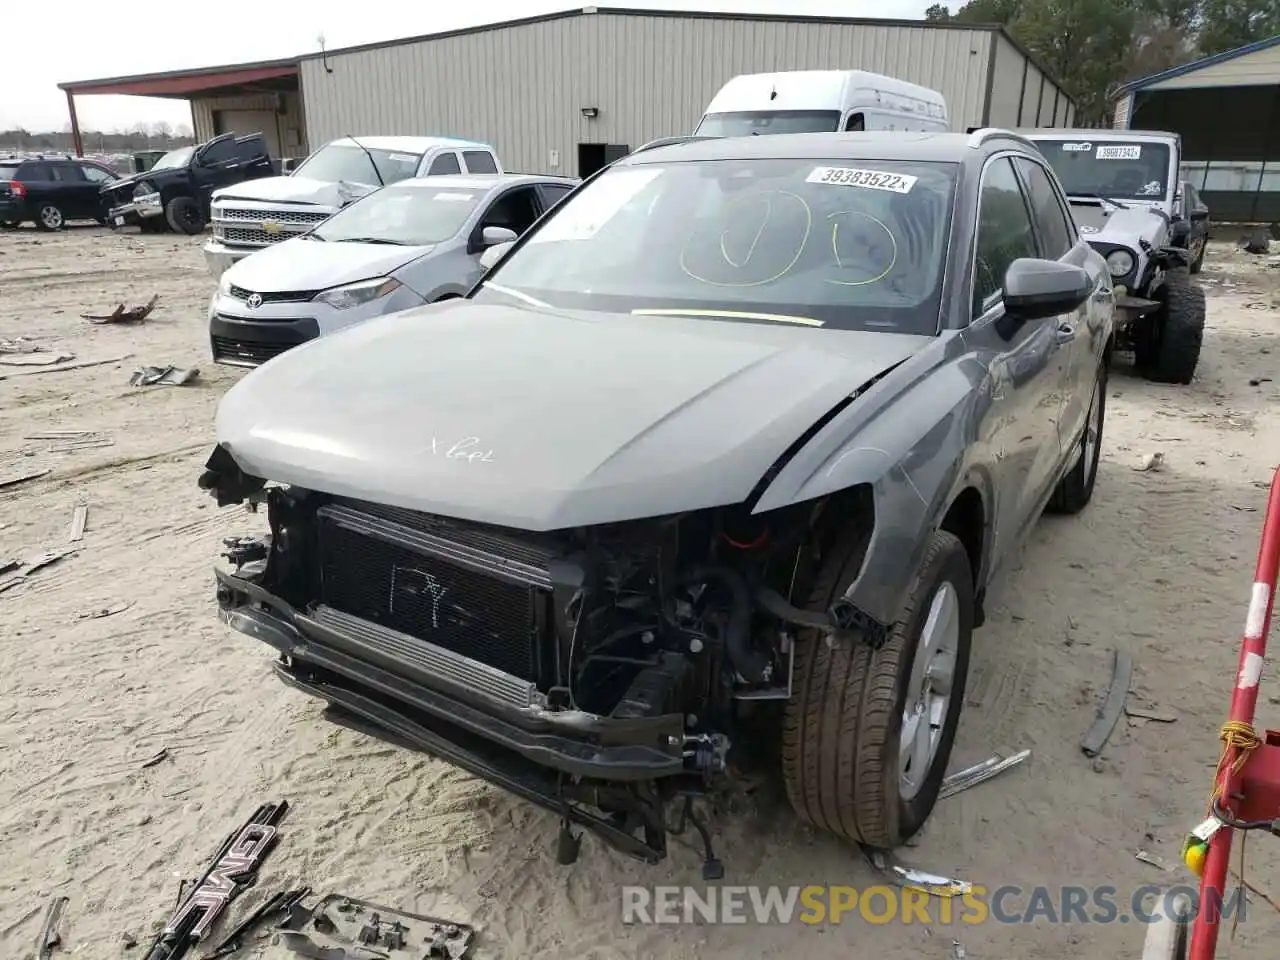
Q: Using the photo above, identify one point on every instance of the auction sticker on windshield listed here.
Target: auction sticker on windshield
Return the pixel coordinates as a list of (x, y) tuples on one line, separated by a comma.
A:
[(453, 196), (1119, 151), (594, 206), (871, 179)]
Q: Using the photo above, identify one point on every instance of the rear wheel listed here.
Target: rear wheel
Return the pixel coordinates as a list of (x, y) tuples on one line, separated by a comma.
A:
[(1197, 254), (868, 733), (183, 214), (1075, 489), (49, 217)]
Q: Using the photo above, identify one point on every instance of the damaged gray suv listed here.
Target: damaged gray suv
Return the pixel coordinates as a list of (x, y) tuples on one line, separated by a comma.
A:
[(710, 473)]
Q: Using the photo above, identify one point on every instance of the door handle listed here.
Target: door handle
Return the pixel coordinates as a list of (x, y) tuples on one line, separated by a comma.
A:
[(1066, 332)]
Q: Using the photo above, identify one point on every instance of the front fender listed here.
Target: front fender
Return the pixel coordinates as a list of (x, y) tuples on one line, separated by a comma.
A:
[(911, 438)]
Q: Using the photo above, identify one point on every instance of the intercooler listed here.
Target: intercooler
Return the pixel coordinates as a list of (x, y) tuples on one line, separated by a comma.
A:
[(453, 586)]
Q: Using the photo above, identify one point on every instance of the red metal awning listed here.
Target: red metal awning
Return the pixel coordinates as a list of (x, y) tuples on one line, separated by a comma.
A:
[(185, 83)]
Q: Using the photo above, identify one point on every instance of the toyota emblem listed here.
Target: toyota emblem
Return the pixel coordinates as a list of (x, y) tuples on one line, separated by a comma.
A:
[(254, 301)]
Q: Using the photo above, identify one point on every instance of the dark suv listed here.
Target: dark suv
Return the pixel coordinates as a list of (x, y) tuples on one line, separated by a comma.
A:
[(175, 190), (52, 190)]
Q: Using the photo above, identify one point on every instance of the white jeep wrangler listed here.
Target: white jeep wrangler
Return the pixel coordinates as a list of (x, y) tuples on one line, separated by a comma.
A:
[(1123, 186)]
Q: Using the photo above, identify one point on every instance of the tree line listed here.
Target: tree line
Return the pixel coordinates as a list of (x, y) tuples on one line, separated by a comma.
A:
[(1093, 46), (141, 136)]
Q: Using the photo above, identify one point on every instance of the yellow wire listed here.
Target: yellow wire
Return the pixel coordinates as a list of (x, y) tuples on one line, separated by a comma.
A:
[(808, 226), (1238, 738), (835, 250)]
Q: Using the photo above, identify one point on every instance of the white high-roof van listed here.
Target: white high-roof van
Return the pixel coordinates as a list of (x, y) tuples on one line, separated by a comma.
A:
[(814, 101)]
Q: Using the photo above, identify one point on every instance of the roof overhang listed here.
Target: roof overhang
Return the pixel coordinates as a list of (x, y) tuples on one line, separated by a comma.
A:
[(184, 84), (1183, 77)]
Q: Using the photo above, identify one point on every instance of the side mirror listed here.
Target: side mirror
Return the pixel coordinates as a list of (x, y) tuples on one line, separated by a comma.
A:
[(496, 252), (492, 236), (1035, 289)]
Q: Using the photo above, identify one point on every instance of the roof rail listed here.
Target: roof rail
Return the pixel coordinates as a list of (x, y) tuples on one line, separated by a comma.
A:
[(669, 142), (978, 136)]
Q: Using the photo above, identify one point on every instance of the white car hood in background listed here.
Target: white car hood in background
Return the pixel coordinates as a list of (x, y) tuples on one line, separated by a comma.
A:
[(1107, 224), (294, 190), (301, 264)]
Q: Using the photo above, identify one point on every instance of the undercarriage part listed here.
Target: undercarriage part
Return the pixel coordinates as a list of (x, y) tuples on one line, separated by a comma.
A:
[(712, 868), (223, 478), (749, 662), (338, 927), (842, 620)]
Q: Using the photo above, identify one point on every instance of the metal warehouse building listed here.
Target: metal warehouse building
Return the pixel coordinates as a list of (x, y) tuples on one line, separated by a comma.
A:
[(566, 92), (1227, 109)]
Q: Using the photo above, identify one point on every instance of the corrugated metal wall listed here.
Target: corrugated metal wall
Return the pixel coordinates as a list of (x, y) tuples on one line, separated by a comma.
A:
[(522, 88), (291, 129)]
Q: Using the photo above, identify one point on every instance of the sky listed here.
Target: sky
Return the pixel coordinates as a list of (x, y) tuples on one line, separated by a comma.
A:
[(93, 45)]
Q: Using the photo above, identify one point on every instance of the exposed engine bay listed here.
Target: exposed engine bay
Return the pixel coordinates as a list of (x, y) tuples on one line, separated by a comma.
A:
[(602, 672)]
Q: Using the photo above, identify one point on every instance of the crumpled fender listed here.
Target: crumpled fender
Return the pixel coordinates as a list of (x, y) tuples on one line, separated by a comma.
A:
[(910, 437)]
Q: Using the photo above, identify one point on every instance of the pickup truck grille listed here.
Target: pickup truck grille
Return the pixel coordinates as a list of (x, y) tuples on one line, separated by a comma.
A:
[(245, 226), (436, 582), (307, 217)]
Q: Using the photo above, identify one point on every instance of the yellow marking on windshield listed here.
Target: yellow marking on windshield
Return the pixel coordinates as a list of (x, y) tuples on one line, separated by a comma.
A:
[(730, 315)]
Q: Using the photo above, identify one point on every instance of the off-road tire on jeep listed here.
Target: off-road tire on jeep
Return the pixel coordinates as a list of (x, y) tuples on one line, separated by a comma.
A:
[(1198, 263), (1075, 489), (1168, 348), (183, 214), (841, 727)]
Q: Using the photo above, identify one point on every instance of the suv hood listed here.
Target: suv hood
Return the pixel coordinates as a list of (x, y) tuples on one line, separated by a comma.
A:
[(295, 190), (542, 420), (301, 264), (1103, 223)]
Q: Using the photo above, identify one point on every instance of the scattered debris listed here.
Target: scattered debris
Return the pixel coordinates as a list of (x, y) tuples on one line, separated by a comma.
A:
[(158, 758), (1151, 462), (31, 566), (1257, 242), (49, 935), (278, 906), (134, 313), (909, 878), (340, 926), (58, 368), (1258, 381), (23, 477), (169, 376), (957, 950), (1109, 714), (979, 773), (13, 563), (1151, 859), (79, 518), (232, 870), (36, 359), (1141, 713), (104, 611), (19, 345)]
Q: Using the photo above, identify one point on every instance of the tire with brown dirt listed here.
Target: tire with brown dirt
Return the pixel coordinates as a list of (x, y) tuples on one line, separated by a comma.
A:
[(842, 728)]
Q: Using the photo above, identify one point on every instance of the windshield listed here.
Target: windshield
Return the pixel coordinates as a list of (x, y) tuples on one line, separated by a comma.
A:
[(337, 162), (174, 158), (748, 123), (1112, 169), (836, 243), (408, 214)]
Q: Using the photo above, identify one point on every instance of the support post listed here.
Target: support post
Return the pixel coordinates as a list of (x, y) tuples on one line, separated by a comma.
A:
[(75, 124)]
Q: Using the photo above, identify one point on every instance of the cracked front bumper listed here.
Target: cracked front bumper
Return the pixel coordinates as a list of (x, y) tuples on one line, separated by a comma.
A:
[(139, 208)]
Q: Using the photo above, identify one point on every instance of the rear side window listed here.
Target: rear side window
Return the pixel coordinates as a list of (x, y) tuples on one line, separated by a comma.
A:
[(479, 161), (555, 192), (8, 171), (1004, 232), (34, 171), (1057, 235), (68, 173), (443, 164)]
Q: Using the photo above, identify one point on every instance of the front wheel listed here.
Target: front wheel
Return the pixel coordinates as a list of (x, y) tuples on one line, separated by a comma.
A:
[(183, 214), (867, 734), (49, 217), (1169, 346)]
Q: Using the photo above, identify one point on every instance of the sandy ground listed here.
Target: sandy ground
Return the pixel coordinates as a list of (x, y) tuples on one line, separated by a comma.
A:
[(1159, 565)]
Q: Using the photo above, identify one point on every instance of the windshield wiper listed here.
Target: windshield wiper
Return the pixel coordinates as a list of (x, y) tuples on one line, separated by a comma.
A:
[(730, 315), (390, 243), (1099, 198), (373, 163), (313, 236)]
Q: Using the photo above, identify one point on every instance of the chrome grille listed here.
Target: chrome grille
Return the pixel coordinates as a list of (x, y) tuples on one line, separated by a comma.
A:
[(254, 236), (281, 296), (306, 217)]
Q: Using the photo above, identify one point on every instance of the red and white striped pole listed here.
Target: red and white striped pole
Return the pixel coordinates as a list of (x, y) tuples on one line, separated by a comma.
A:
[(1244, 699)]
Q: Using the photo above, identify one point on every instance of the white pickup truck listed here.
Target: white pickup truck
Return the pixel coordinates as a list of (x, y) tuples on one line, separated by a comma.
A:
[(255, 214)]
